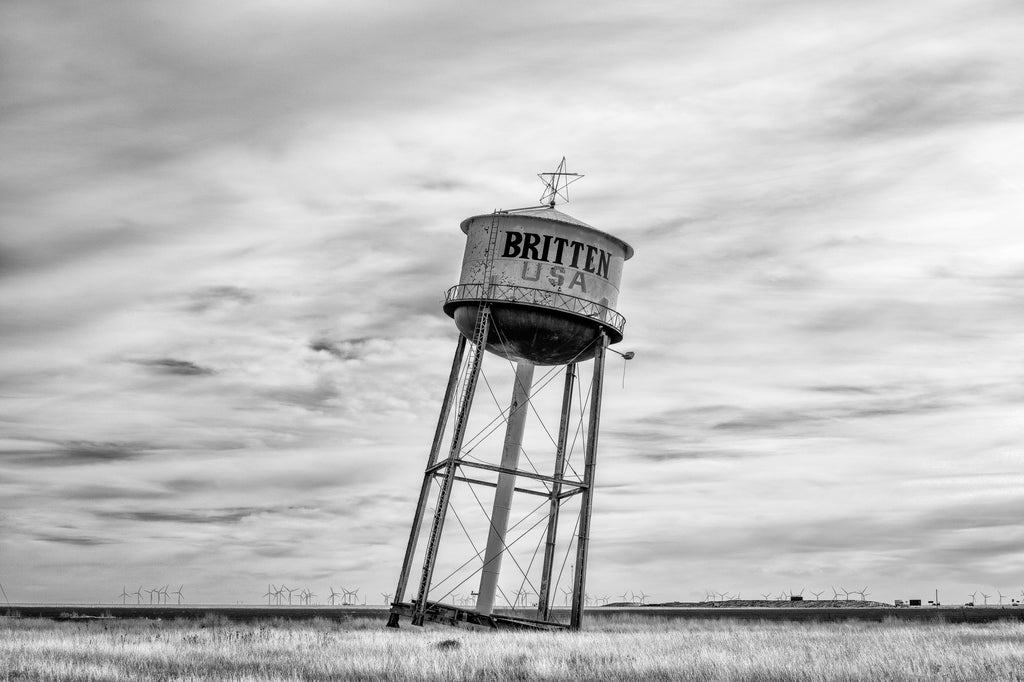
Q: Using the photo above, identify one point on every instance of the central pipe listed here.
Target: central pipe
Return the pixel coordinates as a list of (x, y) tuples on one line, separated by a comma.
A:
[(506, 486)]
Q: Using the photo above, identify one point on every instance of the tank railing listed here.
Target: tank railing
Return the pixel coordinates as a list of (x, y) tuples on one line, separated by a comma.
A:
[(537, 297)]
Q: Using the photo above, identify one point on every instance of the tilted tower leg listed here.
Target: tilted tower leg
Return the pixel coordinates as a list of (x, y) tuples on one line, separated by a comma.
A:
[(544, 598), (496, 547), (451, 464), (587, 496), (421, 505)]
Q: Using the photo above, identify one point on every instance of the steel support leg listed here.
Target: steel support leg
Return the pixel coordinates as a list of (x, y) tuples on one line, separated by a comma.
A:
[(421, 505), (458, 434), (587, 496), (544, 598)]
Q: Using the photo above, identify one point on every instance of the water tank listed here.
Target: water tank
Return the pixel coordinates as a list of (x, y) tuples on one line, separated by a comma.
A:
[(552, 280)]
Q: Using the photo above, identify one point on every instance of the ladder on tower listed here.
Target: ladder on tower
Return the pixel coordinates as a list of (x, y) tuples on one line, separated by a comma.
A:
[(479, 344), (489, 252), (479, 340)]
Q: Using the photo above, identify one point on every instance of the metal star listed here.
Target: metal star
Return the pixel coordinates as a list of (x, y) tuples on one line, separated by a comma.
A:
[(556, 184)]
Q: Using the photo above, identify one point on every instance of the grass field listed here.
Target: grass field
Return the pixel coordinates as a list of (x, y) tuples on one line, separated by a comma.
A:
[(623, 649)]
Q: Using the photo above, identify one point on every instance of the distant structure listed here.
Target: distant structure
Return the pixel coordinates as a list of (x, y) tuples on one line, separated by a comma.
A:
[(538, 288)]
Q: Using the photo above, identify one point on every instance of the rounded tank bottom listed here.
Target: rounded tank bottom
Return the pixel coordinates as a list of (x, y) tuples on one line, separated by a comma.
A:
[(538, 335)]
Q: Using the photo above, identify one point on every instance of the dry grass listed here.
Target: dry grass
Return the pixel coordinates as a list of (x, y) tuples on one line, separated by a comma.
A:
[(614, 650)]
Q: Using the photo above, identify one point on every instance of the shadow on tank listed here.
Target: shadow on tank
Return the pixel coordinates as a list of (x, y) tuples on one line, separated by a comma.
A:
[(538, 335)]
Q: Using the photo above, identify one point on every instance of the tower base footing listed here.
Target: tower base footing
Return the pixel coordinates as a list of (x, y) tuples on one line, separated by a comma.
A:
[(449, 614)]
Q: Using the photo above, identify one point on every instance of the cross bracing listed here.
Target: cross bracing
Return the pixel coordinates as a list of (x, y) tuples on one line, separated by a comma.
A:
[(468, 464)]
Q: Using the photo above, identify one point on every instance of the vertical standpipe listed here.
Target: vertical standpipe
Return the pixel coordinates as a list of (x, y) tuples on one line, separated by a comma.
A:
[(506, 486)]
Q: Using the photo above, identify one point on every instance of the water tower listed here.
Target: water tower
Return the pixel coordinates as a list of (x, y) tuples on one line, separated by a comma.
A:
[(539, 289)]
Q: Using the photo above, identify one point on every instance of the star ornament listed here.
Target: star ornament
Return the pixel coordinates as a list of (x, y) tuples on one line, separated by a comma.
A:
[(556, 184)]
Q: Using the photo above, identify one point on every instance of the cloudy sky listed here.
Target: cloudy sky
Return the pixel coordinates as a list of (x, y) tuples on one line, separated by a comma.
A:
[(226, 229)]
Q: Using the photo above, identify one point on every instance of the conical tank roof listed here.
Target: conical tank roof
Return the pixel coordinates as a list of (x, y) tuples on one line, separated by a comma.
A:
[(550, 214)]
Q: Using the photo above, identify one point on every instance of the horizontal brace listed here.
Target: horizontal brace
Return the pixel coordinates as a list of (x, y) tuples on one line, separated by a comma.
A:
[(437, 467), (525, 474), (477, 481), (570, 493)]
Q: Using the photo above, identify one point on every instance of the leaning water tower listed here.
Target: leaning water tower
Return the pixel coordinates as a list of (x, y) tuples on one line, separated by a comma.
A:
[(539, 289)]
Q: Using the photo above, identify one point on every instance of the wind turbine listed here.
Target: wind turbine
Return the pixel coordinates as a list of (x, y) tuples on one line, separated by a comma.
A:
[(846, 594), (290, 590), (766, 595), (138, 595), (270, 594), (568, 593), (864, 593), (124, 594), (817, 595), (162, 591), (387, 597), (973, 596), (986, 596), (835, 593), (309, 597), (279, 595), (334, 595), (178, 592), (150, 593)]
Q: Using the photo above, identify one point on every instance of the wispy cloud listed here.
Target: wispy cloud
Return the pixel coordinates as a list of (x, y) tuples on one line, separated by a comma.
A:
[(175, 366), (343, 349), (213, 516), (73, 540)]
